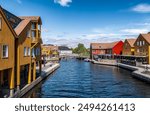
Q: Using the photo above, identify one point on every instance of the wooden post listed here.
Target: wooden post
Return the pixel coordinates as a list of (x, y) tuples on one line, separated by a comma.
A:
[(29, 74), (1, 78), (34, 71), (11, 82), (40, 67), (18, 69), (11, 71)]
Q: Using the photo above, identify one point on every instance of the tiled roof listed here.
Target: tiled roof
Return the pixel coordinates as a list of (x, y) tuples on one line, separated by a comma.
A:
[(104, 45), (146, 37), (21, 26), (131, 42), (49, 47), (32, 18)]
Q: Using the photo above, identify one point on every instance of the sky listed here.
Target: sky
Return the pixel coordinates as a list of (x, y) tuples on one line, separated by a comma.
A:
[(69, 22)]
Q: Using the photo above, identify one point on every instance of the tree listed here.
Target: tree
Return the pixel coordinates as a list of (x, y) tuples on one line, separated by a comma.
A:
[(81, 50)]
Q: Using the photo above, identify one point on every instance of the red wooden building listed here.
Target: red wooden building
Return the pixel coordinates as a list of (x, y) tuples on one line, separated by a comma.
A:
[(114, 48)]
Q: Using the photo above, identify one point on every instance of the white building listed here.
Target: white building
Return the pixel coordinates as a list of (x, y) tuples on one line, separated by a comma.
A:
[(64, 51)]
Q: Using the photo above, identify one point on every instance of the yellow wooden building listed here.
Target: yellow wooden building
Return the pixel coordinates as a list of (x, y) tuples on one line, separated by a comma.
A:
[(7, 55), (128, 47), (36, 41), (20, 44)]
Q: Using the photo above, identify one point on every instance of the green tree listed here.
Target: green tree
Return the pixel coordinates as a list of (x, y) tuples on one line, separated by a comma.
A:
[(81, 50)]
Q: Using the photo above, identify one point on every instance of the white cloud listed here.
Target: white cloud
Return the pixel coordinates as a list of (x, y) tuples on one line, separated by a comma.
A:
[(64, 3), (141, 8), (135, 31)]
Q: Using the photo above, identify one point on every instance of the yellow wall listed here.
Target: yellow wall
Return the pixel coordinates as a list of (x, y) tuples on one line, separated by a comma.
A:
[(6, 37), (24, 41)]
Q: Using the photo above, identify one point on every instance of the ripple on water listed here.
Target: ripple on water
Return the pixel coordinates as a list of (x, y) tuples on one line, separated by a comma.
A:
[(79, 79)]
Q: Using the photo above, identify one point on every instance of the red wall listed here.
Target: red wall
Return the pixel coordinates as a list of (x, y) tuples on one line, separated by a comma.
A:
[(98, 52), (117, 49)]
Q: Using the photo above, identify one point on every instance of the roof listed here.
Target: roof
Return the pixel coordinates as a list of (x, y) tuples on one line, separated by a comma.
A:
[(146, 37), (104, 45), (131, 42), (49, 47), (12, 19), (21, 26), (63, 48), (7, 22), (32, 18)]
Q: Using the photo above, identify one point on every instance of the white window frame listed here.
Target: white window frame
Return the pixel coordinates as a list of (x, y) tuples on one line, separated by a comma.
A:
[(6, 51), (25, 51), (33, 52), (34, 34), (137, 43), (29, 51), (140, 43), (143, 43)]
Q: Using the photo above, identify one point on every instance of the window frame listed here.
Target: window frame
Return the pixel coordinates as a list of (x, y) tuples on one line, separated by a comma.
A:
[(29, 52), (7, 51), (25, 52)]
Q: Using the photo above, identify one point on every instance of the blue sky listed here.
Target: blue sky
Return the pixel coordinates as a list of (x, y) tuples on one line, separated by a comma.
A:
[(69, 22)]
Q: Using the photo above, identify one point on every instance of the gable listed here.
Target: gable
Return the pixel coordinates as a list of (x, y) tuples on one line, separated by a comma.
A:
[(140, 37), (6, 27)]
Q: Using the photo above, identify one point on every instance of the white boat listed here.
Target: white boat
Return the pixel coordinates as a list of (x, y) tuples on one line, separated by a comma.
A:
[(87, 60)]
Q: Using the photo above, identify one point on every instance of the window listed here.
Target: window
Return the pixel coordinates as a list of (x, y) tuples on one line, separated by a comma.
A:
[(0, 23), (28, 51), (39, 27), (25, 51), (138, 50), (5, 51), (33, 26), (33, 54), (140, 43), (33, 34), (143, 43), (28, 34), (137, 43)]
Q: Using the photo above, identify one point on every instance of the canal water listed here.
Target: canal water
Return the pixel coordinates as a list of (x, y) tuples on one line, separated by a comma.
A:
[(79, 79)]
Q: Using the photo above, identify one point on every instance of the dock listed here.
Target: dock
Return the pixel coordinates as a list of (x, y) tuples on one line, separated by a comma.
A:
[(105, 62), (46, 71)]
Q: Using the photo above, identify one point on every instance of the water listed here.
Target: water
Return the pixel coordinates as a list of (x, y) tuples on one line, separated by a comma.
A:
[(79, 79)]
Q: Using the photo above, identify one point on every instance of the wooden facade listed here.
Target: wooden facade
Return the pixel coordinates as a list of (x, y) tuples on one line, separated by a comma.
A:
[(7, 54), (20, 47), (114, 48), (128, 47)]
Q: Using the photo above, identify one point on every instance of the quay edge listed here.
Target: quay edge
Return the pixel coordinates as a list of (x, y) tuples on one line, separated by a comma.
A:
[(137, 72), (45, 73)]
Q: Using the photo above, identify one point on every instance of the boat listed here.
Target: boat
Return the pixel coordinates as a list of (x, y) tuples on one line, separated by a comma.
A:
[(87, 60)]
